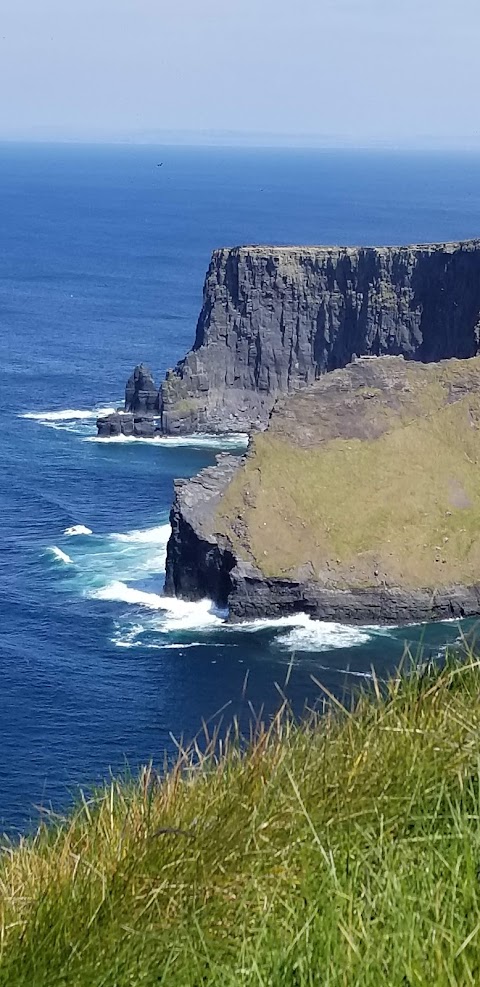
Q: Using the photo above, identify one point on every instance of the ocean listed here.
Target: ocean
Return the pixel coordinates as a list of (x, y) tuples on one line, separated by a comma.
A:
[(103, 252)]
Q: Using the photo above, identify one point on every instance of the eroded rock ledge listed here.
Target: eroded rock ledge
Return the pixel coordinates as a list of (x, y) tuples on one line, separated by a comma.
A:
[(275, 318), (360, 503)]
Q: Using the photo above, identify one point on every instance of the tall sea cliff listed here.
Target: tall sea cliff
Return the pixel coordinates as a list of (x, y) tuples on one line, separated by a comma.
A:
[(275, 318)]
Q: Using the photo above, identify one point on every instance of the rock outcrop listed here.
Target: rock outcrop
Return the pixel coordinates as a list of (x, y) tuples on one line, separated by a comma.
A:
[(137, 426), (360, 503), (197, 555), (141, 417), (275, 318), (141, 393)]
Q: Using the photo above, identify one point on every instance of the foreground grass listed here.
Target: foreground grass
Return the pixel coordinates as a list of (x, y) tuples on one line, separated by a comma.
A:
[(345, 851)]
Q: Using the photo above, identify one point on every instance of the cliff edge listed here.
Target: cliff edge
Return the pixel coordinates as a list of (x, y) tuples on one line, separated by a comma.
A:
[(275, 318), (359, 503)]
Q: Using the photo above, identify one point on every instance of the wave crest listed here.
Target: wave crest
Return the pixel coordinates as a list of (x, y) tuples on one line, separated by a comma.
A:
[(146, 536), (68, 414), (319, 635), (59, 555), (77, 529), (201, 441)]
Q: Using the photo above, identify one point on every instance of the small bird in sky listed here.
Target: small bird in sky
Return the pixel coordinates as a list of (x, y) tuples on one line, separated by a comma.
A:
[(160, 164)]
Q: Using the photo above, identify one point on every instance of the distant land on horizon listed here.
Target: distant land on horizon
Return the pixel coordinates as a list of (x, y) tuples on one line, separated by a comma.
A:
[(253, 139)]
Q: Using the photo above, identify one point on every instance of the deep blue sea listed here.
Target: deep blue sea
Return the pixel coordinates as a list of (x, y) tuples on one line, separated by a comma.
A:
[(102, 260)]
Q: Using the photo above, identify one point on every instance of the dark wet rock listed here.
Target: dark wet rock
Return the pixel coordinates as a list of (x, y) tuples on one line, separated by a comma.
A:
[(140, 426), (252, 596), (198, 561), (111, 425)]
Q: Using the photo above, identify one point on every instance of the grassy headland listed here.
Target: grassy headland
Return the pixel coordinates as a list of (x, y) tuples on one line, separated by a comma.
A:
[(368, 478), (343, 851)]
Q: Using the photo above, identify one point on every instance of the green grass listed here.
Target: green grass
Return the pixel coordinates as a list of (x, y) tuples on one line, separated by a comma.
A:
[(345, 851), (401, 509)]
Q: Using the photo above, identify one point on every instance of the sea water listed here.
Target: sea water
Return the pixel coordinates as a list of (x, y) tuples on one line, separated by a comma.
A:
[(102, 260)]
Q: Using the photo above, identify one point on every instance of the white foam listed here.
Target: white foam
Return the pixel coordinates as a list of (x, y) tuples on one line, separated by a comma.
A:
[(68, 414), (120, 643), (59, 555), (318, 636), (199, 616), (179, 615), (307, 634), (180, 647), (146, 536), (237, 440), (78, 529), (120, 592)]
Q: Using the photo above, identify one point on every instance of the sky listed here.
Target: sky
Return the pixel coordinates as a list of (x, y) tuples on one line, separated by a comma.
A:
[(257, 71)]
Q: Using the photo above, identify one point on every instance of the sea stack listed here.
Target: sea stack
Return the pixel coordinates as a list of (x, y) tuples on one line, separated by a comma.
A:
[(141, 416)]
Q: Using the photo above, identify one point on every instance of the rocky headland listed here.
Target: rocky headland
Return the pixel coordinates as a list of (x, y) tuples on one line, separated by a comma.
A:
[(359, 503), (355, 372), (274, 319)]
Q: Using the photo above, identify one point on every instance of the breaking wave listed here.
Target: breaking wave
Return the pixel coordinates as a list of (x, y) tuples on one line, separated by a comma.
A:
[(237, 440), (121, 593), (127, 568), (146, 536), (178, 614), (67, 415), (173, 615), (59, 555), (319, 635)]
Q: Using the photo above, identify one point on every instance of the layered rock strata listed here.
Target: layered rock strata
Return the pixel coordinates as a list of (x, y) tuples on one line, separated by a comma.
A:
[(275, 318), (360, 503)]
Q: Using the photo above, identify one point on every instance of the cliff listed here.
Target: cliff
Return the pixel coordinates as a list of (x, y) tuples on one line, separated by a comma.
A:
[(359, 503), (275, 318)]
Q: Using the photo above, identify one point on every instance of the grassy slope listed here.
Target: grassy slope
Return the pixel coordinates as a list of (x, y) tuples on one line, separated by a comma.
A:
[(402, 508), (345, 852)]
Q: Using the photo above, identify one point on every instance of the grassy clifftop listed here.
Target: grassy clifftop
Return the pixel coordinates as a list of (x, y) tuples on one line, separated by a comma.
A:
[(342, 852), (371, 477)]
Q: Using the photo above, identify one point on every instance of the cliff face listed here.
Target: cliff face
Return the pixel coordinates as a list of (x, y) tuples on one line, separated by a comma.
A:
[(275, 318), (199, 560), (359, 503)]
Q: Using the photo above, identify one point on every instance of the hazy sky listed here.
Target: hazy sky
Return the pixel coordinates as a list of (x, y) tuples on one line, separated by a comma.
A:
[(361, 70)]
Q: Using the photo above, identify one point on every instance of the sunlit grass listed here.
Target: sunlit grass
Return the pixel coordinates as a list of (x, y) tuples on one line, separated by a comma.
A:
[(342, 851)]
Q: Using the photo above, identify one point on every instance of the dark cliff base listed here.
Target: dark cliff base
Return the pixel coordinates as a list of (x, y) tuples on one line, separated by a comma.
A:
[(360, 503)]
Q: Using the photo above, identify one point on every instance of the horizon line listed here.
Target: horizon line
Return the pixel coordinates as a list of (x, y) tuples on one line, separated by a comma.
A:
[(253, 140)]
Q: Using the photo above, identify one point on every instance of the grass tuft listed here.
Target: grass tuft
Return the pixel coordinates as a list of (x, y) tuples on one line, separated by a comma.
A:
[(344, 850)]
